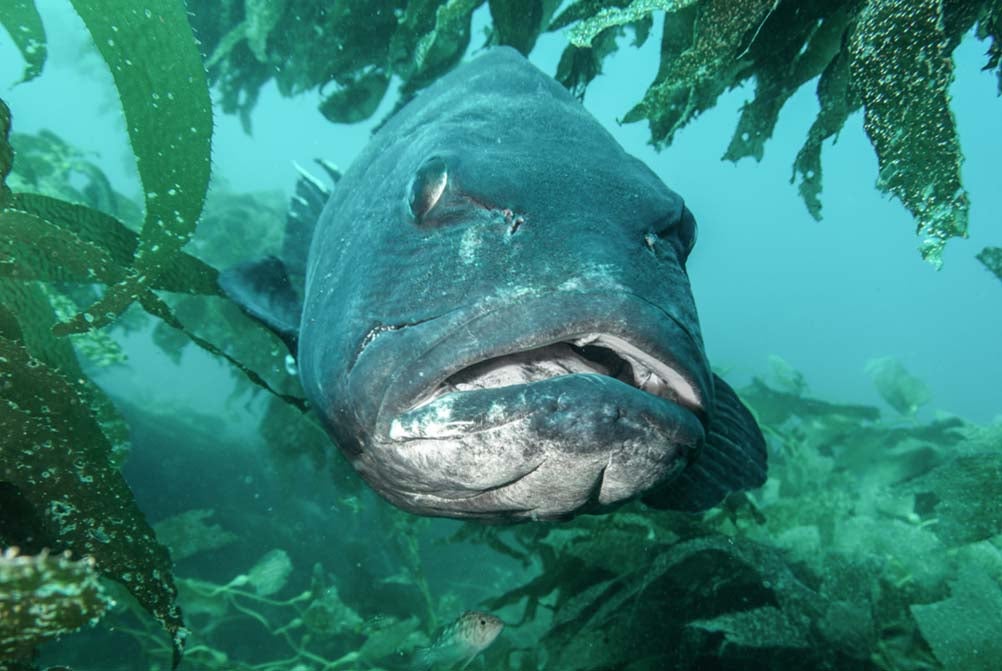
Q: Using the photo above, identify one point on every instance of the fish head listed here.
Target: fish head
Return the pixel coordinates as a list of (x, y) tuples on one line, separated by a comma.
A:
[(476, 630), (498, 322)]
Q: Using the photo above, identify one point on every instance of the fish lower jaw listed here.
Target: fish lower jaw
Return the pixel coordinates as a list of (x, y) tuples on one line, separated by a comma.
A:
[(595, 354)]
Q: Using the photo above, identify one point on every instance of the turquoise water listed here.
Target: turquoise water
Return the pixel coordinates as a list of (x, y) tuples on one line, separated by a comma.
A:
[(833, 564)]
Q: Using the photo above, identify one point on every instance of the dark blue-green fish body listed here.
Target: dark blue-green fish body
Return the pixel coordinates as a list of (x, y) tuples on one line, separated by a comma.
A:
[(497, 320)]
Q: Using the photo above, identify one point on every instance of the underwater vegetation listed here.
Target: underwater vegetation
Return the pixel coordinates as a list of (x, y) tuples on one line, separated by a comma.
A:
[(890, 58), (875, 544), (895, 566)]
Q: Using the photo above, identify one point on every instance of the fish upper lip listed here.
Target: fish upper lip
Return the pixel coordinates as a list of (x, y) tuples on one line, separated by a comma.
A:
[(585, 353), (682, 387)]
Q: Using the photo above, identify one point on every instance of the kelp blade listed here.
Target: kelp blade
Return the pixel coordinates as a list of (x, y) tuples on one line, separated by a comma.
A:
[(58, 458), (21, 19), (153, 57)]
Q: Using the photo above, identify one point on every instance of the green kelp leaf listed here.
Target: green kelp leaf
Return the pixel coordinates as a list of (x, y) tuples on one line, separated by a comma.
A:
[(356, 99), (157, 307), (701, 55), (579, 10), (438, 50), (96, 347), (784, 377), (578, 66), (59, 459), (517, 23), (21, 19), (188, 534), (104, 245), (584, 32), (48, 165), (903, 391), (963, 631), (805, 38), (43, 597), (963, 496), (153, 57), (901, 64), (29, 305), (6, 153), (34, 249), (991, 257), (269, 575), (838, 100), (774, 407), (990, 27), (92, 226), (765, 627)]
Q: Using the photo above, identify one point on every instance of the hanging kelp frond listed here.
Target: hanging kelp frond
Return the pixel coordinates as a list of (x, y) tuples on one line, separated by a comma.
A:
[(866, 53)]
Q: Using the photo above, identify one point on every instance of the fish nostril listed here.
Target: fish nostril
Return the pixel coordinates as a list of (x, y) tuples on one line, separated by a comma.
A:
[(650, 240)]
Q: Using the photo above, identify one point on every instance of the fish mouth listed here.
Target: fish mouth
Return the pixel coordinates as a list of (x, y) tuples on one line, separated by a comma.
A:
[(641, 352), (583, 354), (540, 409)]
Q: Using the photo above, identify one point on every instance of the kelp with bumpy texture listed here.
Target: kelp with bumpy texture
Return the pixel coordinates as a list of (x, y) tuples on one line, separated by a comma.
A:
[(150, 49), (900, 62), (62, 435), (892, 58), (6, 153), (49, 166), (963, 630), (580, 64), (21, 19), (45, 596), (585, 31), (188, 534), (991, 258), (59, 459)]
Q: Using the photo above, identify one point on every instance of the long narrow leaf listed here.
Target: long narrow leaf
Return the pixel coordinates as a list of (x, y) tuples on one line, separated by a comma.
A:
[(155, 62), (21, 19)]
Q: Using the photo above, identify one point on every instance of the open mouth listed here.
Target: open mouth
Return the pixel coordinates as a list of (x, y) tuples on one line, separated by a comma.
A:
[(596, 354)]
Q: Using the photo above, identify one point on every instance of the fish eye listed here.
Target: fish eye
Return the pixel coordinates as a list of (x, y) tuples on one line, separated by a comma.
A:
[(428, 186), (483, 623)]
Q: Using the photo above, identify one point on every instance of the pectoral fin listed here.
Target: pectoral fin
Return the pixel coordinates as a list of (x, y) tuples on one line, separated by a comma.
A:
[(263, 290), (733, 459)]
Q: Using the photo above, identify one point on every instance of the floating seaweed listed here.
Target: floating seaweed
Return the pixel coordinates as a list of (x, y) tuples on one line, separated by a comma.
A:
[(903, 391), (860, 49), (43, 597)]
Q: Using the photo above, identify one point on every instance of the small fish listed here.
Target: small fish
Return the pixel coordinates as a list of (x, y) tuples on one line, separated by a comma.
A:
[(459, 643)]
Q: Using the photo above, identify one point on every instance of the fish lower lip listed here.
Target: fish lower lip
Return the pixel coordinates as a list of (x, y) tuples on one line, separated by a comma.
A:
[(587, 411), (597, 354)]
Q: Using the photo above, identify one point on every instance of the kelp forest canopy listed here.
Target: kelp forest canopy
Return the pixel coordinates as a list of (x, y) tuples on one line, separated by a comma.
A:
[(890, 58)]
